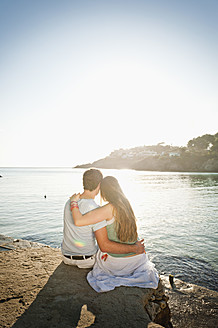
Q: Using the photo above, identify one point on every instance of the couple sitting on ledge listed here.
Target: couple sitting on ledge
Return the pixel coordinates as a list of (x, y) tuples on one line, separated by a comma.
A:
[(121, 259)]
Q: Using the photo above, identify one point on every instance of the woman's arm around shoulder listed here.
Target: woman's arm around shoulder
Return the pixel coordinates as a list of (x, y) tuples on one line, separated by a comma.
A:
[(97, 215)]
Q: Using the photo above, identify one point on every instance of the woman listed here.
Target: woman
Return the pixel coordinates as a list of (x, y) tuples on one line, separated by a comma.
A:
[(113, 270)]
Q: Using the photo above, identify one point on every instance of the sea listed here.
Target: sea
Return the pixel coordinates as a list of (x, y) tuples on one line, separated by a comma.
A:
[(177, 214)]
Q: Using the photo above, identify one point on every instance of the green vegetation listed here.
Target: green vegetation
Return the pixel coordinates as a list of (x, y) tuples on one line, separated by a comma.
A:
[(206, 143), (200, 155)]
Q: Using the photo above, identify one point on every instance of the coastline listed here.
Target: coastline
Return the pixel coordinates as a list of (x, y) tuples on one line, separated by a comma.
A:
[(190, 305), (200, 155), (154, 164), (143, 168)]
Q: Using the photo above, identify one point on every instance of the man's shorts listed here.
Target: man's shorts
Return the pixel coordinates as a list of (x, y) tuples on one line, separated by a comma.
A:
[(82, 264)]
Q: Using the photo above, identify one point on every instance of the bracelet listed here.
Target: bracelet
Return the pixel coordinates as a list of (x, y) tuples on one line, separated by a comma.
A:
[(73, 201), (74, 206)]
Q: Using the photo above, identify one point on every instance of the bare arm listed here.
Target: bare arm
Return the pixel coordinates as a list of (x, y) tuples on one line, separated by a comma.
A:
[(108, 246), (92, 217)]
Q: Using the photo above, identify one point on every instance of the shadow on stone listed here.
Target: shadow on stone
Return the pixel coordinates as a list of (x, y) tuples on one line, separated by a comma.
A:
[(38, 290), (68, 301), (63, 301)]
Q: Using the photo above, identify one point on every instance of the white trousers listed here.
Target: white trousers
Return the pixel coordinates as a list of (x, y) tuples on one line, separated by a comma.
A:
[(82, 264), (110, 272)]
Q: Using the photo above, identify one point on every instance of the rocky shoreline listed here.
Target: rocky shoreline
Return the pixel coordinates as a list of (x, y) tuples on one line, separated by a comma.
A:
[(156, 164), (186, 161), (38, 290)]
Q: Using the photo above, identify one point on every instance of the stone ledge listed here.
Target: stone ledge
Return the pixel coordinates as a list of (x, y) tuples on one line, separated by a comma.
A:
[(39, 290)]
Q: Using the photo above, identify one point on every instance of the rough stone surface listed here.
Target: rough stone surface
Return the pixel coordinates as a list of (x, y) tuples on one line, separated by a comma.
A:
[(39, 290), (9, 243), (191, 306)]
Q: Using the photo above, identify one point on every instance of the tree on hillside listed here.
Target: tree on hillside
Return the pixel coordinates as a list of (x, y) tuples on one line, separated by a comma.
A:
[(214, 148), (202, 143)]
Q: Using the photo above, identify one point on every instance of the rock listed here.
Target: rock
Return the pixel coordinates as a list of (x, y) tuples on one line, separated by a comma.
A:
[(39, 290), (191, 306), (162, 316), (153, 309), (163, 304), (165, 298), (152, 298), (159, 292), (153, 325), (11, 243)]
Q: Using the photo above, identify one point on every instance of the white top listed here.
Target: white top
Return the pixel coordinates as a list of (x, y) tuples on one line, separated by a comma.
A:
[(80, 240)]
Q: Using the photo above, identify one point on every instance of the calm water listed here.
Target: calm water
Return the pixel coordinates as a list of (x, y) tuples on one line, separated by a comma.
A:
[(176, 214)]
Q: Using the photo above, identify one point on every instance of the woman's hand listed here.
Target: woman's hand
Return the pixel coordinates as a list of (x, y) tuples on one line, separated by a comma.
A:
[(140, 247), (75, 197)]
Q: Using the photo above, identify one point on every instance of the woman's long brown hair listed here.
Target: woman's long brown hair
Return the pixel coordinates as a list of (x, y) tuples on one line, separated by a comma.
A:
[(125, 220)]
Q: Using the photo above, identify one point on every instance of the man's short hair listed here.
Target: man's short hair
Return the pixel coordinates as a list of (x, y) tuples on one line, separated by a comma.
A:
[(91, 179)]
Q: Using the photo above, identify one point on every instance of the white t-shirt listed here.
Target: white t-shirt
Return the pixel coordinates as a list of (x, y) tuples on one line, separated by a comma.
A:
[(80, 240)]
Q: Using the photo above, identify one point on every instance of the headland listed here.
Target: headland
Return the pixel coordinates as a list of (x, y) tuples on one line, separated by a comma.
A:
[(200, 155)]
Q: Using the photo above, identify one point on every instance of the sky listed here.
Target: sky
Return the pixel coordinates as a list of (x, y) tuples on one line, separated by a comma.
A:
[(79, 79)]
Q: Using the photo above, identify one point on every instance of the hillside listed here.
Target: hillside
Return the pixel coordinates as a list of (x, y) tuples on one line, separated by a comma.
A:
[(200, 155)]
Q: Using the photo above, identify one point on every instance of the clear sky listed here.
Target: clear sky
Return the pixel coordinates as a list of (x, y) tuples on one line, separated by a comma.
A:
[(79, 79)]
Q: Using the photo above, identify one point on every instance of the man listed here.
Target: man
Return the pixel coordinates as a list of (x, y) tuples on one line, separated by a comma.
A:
[(79, 245)]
